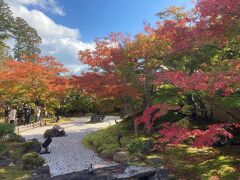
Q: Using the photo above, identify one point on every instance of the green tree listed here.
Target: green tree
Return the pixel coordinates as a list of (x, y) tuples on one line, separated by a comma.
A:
[(27, 39), (6, 21)]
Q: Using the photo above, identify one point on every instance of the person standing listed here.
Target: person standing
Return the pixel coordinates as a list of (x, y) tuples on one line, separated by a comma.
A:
[(19, 114), (57, 113), (12, 115), (37, 113), (6, 113), (27, 113)]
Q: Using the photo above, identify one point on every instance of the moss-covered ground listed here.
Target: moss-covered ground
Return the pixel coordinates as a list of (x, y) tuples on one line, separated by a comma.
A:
[(13, 150), (183, 161)]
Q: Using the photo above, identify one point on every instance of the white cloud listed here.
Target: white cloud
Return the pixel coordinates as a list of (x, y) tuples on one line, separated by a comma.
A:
[(47, 5), (57, 40)]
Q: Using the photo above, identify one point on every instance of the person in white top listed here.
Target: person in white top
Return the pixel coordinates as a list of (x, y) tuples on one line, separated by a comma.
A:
[(38, 113), (12, 115)]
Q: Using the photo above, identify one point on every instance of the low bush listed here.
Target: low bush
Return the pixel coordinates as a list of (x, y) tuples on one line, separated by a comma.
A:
[(16, 138), (136, 146), (6, 129), (32, 161), (32, 146)]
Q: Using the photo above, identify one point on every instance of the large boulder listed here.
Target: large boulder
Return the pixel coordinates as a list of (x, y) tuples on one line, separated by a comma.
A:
[(56, 131)]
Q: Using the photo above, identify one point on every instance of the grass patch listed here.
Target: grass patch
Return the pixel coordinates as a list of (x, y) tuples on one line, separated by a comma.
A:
[(105, 142)]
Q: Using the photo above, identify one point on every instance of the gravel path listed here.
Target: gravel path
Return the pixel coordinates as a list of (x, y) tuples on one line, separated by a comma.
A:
[(67, 153)]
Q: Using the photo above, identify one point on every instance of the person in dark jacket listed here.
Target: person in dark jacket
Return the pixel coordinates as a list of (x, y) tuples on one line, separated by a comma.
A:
[(57, 113), (19, 114), (6, 113), (27, 114)]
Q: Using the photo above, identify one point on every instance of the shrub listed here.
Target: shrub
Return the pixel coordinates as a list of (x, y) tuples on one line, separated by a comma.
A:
[(6, 129), (32, 161), (136, 146), (32, 146), (16, 138), (48, 133)]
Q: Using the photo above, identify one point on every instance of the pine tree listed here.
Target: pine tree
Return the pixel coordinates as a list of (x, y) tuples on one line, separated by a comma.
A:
[(27, 39)]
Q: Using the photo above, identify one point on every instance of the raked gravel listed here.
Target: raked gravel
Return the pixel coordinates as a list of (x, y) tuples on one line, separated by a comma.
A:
[(68, 153)]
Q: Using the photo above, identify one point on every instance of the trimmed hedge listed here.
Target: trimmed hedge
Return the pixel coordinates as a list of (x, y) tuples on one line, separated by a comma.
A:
[(32, 161), (6, 129)]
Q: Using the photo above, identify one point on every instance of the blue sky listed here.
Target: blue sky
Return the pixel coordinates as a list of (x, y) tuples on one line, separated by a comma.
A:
[(96, 18), (67, 26)]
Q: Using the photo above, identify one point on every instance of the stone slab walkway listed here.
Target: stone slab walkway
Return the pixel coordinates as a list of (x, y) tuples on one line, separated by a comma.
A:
[(67, 153)]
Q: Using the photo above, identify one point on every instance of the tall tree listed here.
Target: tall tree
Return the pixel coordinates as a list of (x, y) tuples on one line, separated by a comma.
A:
[(6, 26), (27, 40), (6, 21)]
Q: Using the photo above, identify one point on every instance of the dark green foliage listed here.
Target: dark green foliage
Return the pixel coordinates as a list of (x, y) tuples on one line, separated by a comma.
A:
[(32, 146), (168, 94), (76, 103), (32, 161), (6, 129), (136, 146), (16, 138), (6, 21), (170, 117), (27, 39)]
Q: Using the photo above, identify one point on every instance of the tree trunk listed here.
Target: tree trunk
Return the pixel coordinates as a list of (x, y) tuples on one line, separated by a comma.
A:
[(129, 104)]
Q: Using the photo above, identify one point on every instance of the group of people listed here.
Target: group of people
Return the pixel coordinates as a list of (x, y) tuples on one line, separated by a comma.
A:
[(22, 114)]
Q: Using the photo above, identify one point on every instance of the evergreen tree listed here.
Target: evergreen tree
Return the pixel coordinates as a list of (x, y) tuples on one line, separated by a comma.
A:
[(27, 39)]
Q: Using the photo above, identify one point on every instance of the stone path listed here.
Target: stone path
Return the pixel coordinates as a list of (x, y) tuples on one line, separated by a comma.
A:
[(67, 153)]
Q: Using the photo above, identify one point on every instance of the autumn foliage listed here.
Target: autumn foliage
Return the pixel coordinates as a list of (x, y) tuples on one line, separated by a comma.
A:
[(37, 80), (175, 134)]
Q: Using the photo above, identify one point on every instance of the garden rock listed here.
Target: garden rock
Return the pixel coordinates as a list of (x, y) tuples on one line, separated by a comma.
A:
[(161, 174), (41, 173), (134, 172), (148, 146), (56, 131), (43, 170)]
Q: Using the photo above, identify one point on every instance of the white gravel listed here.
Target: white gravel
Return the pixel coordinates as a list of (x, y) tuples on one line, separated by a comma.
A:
[(67, 153)]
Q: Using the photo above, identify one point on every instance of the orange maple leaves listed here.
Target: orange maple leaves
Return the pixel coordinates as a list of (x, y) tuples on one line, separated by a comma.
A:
[(36, 77)]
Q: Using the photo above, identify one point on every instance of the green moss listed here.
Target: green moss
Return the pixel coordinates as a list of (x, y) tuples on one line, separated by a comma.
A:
[(222, 166), (15, 150), (16, 173), (184, 161), (105, 141)]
